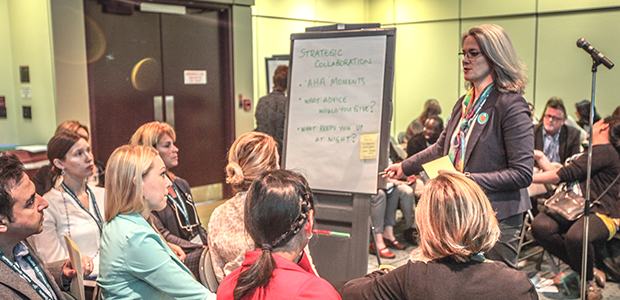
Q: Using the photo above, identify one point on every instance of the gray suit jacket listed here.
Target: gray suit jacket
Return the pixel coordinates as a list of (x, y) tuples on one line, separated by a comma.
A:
[(13, 286), (499, 154)]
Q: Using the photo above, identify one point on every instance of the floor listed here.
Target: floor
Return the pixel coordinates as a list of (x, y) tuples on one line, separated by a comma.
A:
[(543, 278)]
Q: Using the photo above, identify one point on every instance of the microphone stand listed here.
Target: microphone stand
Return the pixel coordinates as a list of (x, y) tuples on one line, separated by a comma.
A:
[(586, 210)]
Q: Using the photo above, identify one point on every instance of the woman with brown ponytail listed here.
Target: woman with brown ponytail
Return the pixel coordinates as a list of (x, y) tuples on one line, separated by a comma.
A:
[(279, 218)]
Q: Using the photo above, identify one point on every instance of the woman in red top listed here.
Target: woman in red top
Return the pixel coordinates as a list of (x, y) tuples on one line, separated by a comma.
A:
[(279, 218)]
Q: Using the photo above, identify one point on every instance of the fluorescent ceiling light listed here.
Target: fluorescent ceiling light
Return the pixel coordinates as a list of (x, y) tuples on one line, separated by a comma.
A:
[(162, 8)]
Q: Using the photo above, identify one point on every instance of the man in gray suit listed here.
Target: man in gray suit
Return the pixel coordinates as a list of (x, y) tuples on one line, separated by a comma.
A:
[(22, 274)]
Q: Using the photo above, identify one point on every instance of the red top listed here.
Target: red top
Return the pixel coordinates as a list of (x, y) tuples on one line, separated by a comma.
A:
[(289, 281)]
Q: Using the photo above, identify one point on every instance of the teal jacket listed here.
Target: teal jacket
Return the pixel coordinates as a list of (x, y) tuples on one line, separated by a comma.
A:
[(136, 263)]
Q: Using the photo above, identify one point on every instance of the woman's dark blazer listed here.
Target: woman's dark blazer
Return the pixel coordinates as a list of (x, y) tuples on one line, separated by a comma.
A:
[(499, 155)]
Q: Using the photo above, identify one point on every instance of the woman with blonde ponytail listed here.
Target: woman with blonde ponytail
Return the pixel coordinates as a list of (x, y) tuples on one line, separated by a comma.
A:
[(279, 214), (249, 156)]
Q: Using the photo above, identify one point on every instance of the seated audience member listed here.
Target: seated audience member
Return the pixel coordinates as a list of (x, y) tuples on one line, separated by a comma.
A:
[(616, 112), (178, 222), (136, 263), (279, 217), (75, 209), (43, 178), (249, 156), (433, 126), (23, 274), (457, 226), (431, 108), (378, 214), (583, 114), (564, 239), (556, 140)]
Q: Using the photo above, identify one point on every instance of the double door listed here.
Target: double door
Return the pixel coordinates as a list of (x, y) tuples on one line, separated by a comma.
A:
[(167, 67)]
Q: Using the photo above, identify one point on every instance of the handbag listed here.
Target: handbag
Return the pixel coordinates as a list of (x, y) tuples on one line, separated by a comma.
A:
[(567, 205)]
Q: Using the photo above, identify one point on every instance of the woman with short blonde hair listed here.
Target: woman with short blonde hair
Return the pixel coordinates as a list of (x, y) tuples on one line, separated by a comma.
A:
[(457, 226), (178, 222), (136, 263), (459, 235)]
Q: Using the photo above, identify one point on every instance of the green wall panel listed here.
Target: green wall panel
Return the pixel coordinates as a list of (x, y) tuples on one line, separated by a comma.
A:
[(564, 5), (565, 70), (485, 8), (423, 10), (298, 9), (427, 66), (341, 11)]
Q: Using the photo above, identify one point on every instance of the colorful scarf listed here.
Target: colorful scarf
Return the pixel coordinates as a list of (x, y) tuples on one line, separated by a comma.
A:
[(470, 112)]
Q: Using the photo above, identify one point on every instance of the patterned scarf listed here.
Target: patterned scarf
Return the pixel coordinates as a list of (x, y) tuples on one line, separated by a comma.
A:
[(470, 112)]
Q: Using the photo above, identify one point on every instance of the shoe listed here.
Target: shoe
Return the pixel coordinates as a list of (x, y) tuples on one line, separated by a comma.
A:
[(393, 244), (600, 278), (593, 291), (411, 235), (384, 253)]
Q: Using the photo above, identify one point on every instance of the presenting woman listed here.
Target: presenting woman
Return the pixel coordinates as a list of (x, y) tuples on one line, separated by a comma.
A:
[(136, 263), (75, 208), (564, 239), (457, 227), (278, 217), (178, 222), (489, 137), (249, 156)]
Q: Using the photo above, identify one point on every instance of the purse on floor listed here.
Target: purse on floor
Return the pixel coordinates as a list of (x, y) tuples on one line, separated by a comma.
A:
[(568, 205)]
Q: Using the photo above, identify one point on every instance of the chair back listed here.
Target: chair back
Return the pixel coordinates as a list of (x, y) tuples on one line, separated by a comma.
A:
[(207, 275)]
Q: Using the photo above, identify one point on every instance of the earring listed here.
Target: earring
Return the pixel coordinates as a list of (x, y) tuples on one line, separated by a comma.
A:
[(311, 234), (62, 172)]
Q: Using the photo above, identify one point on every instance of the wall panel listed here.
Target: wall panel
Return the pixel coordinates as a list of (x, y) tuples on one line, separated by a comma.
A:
[(565, 70), (427, 66), (485, 8), (423, 10)]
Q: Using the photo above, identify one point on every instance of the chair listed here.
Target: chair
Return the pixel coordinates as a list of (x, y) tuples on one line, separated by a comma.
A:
[(527, 225), (207, 275)]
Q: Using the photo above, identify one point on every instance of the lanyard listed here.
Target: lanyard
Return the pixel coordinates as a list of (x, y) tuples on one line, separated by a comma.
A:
[(178, 202), (37, 269), (93, 203)]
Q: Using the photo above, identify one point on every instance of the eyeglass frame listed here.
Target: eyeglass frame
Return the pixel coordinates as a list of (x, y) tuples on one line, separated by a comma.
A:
[(470, 55), (553, 118)]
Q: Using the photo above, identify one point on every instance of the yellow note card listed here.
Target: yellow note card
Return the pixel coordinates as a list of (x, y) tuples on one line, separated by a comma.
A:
[(432, 167), (368, 145)]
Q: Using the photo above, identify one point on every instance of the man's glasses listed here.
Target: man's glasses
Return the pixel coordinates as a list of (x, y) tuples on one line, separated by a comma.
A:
[(553, 118), (471, 55)]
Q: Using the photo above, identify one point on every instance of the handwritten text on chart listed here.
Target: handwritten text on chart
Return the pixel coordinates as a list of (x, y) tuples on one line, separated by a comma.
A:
[(338, 62), (321, 82), (349, 109), (336, 136)]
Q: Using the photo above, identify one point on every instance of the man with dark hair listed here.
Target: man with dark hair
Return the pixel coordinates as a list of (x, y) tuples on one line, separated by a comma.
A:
[(552, 136), (22, 274), (433, 126)]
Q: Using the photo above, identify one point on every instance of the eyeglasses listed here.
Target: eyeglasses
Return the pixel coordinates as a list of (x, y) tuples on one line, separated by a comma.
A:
[(553, 118), (471, 55)]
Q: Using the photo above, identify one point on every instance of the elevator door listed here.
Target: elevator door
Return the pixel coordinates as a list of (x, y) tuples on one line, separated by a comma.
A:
[(143, 67)]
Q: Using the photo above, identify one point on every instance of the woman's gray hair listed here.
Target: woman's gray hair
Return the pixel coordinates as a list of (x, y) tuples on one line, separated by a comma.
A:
[(508, 70)]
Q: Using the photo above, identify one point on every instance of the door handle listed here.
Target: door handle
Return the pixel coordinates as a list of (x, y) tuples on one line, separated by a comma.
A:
[(158, 107), (170, 110)]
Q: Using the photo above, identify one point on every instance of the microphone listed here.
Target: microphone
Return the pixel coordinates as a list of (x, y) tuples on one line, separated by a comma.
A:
[(597, 56)]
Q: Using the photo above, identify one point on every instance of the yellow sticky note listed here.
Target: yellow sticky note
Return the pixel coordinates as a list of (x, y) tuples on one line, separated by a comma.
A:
[(432, 167), (368, 145)]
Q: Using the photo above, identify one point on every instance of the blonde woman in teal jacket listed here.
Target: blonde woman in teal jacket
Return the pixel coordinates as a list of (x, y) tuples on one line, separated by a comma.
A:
[(136, 263)]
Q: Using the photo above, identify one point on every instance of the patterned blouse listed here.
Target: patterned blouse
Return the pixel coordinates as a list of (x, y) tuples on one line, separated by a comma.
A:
[(228, 240)]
